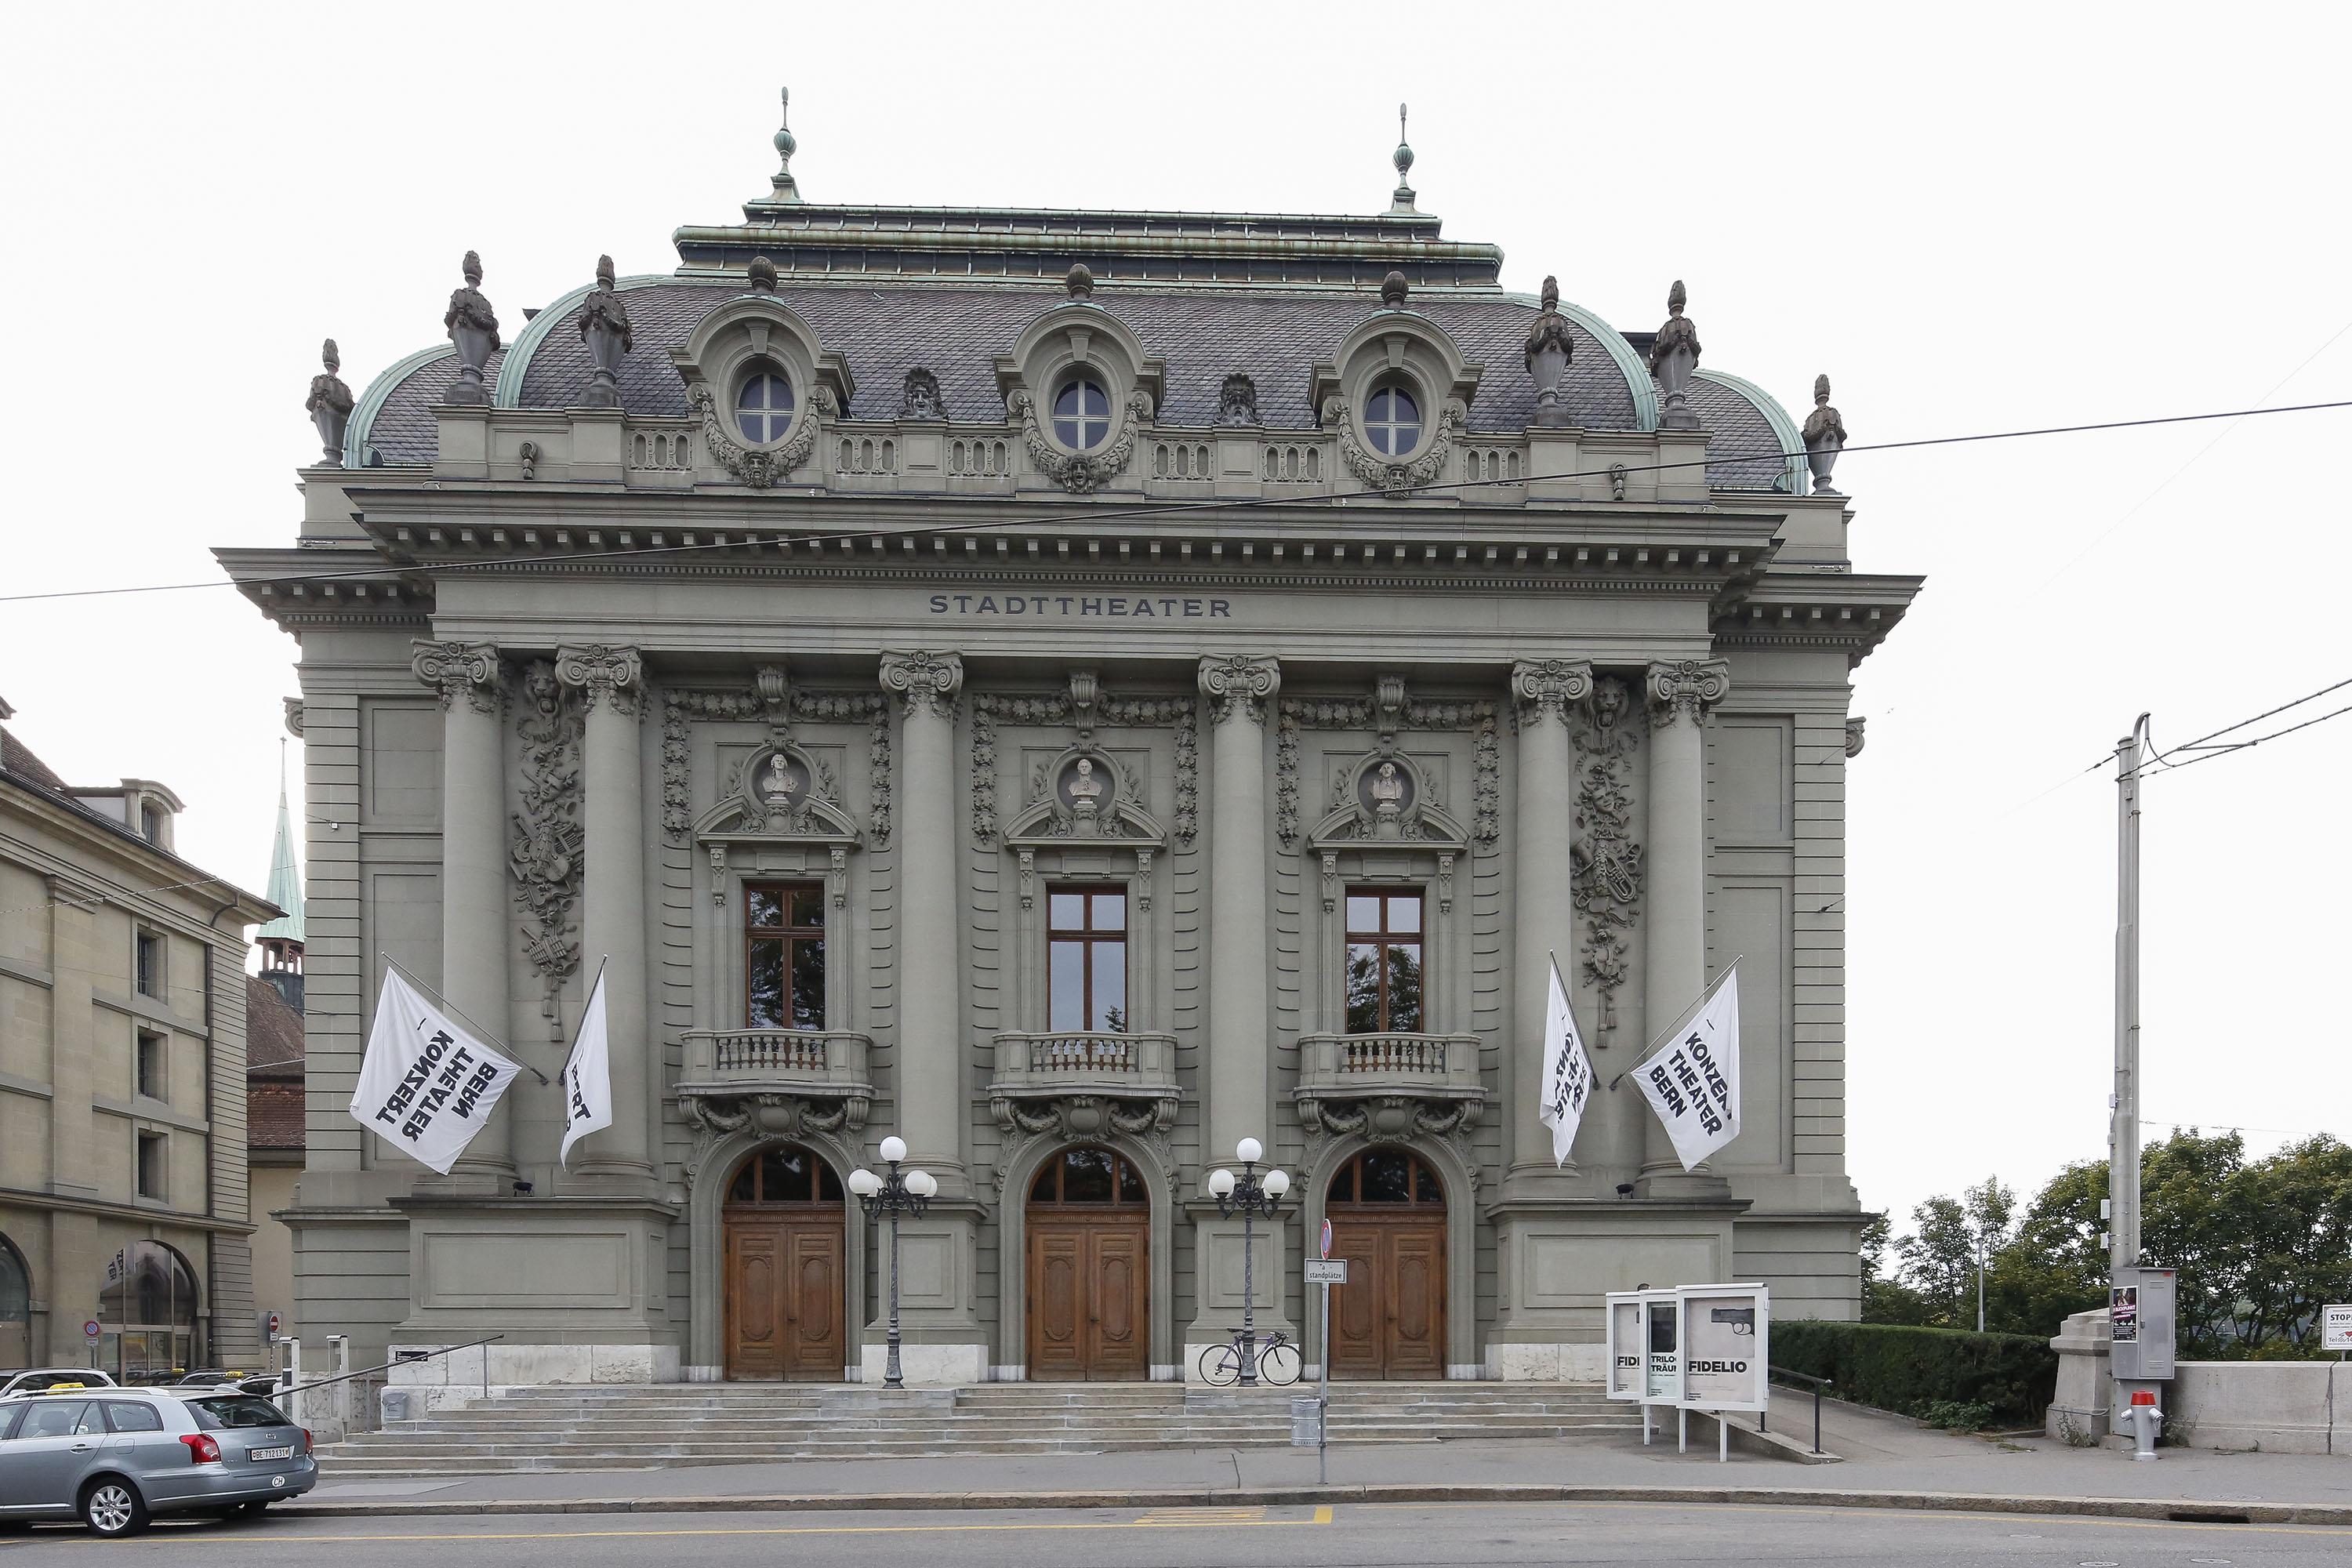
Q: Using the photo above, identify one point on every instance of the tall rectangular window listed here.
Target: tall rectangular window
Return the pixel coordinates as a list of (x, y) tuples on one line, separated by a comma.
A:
[(1086, 959), (784, 960), (154, 1150), (149, 959), (151, 1064), (1383, 970)]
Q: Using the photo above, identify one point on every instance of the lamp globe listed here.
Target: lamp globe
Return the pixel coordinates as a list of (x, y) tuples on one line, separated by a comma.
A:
[(1220, 1182), (894, 1148), (1248, 1151)]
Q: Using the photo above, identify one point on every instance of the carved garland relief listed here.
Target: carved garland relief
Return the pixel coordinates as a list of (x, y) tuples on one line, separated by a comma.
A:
[(544, 852), (1607, 862)]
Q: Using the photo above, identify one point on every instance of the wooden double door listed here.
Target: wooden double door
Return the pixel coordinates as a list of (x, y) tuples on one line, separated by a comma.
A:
[(783, 1272), (1388, 1220), (1088, 1274)]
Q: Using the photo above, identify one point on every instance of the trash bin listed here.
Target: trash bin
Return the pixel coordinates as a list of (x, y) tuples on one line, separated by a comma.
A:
[(1305, 1423)]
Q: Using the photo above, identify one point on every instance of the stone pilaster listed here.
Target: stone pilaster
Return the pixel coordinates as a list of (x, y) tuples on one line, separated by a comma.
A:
[(466, 677), (613, 902), (929, 1091), (1543, 837), (1674, 935), (939, 1259), (1241, 689)]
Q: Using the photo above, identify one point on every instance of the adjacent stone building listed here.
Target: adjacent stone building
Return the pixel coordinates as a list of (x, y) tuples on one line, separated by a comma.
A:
[(122, 1057), (1074, 690)]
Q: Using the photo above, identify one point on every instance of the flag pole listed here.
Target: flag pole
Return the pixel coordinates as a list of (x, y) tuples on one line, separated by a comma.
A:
[(590, 995), (1689, 1013), (452, 1007)]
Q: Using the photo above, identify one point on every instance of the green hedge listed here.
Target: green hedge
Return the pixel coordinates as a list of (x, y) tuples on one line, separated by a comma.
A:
[(1908, 1369)]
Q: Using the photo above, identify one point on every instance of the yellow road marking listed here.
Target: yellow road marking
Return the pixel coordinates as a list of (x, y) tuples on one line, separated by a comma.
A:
[(1203, 1516), (1322, 1516), (1850, 1509)]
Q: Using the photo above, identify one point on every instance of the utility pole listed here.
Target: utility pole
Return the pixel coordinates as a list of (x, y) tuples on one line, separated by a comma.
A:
[(2123, 1136)]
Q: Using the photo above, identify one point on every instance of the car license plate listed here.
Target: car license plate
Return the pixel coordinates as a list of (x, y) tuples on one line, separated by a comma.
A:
[(258, 1454)]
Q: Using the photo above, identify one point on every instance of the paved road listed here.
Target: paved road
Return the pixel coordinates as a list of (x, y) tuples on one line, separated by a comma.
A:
[(1349, 1535)]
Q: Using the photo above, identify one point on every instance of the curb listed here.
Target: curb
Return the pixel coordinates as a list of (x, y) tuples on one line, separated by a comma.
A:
[(2173, 1509)]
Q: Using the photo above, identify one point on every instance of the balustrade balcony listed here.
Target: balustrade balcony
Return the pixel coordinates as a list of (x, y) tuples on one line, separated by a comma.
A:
[(1361, 1067), (811, 1064), (1064, 1064)]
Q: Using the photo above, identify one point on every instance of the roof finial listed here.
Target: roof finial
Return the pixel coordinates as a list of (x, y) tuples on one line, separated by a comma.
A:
[(1400, 199), (786, 189)]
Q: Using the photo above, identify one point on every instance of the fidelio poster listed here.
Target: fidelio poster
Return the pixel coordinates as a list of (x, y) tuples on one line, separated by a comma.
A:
[(1625, 1347), (1725, 1346)]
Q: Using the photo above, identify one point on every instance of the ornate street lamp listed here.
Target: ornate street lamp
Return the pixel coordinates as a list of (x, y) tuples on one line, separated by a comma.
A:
[(899, 1193), (1249, 1194)]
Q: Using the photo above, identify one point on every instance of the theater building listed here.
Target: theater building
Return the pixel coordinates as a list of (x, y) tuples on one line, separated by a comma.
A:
[(1073, 689)]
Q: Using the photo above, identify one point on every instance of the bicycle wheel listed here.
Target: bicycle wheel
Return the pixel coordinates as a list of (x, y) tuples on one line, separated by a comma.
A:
[(1279, 1365), (1220, 1364)]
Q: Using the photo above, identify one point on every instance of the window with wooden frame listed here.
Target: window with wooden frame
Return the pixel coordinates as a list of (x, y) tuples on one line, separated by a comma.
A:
[(1383, 961), (1086, 959), (147, 952), (788, 1175), (783, 955)]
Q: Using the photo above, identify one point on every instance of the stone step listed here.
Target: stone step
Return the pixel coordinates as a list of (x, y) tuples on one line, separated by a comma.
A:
[(385, 1448)]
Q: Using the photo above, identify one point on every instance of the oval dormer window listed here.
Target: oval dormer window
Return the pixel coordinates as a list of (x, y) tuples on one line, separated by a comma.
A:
[(1082, 414), (1393, 420), (763, 404)]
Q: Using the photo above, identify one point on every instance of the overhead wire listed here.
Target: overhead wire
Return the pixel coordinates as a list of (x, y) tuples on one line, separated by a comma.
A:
[(771, 538)]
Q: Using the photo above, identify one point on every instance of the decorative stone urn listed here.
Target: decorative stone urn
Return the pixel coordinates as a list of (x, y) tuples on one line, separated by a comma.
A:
[(474, 327), (1825, 438), (1673, 358), (329, 405), (604, 329)]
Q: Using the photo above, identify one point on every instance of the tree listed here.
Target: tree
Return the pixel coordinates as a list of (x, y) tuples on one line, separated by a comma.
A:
[(1886, 1299), (2055, 1263), (1939, 1260)]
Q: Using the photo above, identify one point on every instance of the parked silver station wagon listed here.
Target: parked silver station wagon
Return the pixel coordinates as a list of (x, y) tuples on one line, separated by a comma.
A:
[(117, 1456)]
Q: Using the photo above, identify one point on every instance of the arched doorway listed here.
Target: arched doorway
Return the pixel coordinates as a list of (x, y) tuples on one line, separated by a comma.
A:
[(783, 1227), (1388, 1220), (1089, 1228), (15, 1307), (147, 1309)]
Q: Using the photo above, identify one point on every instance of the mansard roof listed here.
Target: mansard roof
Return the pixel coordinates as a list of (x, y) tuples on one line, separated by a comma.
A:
[(950, 289)]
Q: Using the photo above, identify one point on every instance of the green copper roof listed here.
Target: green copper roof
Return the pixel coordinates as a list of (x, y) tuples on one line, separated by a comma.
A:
[(285, 880)]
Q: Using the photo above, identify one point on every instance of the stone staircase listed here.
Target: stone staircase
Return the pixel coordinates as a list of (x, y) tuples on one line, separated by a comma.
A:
[(651, 1427)]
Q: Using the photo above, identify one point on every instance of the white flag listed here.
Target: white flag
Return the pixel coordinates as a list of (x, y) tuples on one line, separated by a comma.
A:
[(587, 1076), (1568, 1071), (1693, 1083), (426, 1084)]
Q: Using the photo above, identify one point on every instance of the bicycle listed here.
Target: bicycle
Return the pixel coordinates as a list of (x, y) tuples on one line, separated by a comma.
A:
[(1279, 1361)]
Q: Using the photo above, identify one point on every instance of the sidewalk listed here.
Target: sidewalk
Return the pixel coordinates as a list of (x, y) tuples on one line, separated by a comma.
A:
[(1888, 1462)]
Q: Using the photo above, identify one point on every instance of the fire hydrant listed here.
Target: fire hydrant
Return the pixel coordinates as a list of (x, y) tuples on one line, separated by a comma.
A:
[(2146, 1420)]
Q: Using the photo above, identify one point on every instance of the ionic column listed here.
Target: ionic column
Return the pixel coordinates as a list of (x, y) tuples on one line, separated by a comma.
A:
[(1674, 931), (931, 948), (474, 870), (1241, 687), (1544, 834), (611, 681)]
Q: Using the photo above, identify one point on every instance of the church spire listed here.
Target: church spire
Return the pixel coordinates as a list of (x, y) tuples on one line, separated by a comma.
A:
[(282, 940)]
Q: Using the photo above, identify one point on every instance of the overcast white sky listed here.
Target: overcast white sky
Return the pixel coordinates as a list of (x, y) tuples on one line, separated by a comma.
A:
[(1973, 217)]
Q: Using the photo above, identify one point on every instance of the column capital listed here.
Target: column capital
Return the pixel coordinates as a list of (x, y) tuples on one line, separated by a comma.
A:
[(922, 680), (1240, 683), (452, 667), (1686, 689), (1545, 687), (604, 674)]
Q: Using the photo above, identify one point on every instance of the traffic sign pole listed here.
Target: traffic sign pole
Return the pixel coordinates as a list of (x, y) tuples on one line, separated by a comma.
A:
[(1323, 1396)]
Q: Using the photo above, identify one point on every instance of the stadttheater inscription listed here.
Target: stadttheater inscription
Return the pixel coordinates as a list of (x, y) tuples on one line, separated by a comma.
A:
[(1073, 606)]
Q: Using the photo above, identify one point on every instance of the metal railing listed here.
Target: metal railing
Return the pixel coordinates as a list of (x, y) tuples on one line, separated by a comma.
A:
[(1819, 1383), (292, 1396)]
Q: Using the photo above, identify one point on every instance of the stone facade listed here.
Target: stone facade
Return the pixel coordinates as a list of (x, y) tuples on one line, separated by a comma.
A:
[(1042, 585), (122, 1063)]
